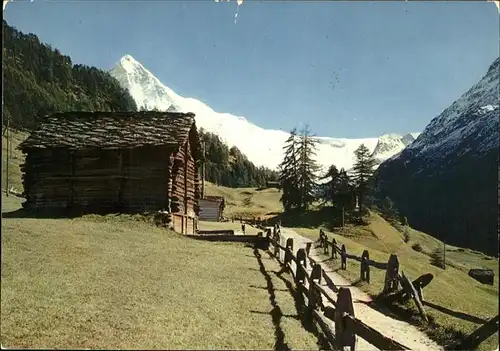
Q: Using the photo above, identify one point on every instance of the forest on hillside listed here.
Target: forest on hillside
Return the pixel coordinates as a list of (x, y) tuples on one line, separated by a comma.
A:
[(40, 80), (229, 167)]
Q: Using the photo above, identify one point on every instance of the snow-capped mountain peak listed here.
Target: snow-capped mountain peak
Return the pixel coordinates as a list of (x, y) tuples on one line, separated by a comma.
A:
[(474, 113), (263, 147), (391, 144)]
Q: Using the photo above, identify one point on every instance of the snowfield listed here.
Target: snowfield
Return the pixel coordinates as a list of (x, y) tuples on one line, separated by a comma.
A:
[(264, 147)]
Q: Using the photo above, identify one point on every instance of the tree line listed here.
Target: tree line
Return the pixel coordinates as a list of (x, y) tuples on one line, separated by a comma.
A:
[(303, 188), (229, 167), (40, 80)]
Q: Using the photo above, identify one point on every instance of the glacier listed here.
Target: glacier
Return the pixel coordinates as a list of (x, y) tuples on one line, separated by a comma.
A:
[(263, 147)]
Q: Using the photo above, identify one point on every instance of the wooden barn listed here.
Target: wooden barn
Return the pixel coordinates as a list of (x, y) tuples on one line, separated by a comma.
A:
[(99, 162), (211, 208)]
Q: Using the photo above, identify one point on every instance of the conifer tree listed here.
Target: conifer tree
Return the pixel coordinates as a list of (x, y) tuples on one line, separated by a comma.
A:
[(288, 177), (363, 173), (307, 168), (345, 190), (330, 188)]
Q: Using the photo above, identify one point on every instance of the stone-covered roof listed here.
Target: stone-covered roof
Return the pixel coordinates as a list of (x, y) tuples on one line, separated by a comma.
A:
[(110, 130)]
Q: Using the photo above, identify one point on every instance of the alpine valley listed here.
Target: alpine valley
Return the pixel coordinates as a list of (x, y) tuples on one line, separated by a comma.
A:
[(263, 147), (445, 181)]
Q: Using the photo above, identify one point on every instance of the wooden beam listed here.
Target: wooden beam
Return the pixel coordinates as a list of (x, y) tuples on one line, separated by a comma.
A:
[(410, 290), (479, 335), (371, 335)]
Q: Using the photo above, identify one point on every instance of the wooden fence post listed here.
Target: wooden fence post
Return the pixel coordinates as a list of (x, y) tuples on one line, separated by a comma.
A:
[(288, 251), (344, 306), (276, 245), (320, 237), (365, 266), (312, 297), (302, 257), (343, 258), (412, 292), (308, 248), (289, 243), (326, 245), (421, 282), (316, 272), (391, 275), (334, 248), (268, 233), (300, 274)]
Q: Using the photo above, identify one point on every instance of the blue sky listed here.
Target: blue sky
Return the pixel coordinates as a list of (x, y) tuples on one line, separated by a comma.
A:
[(348, 69)]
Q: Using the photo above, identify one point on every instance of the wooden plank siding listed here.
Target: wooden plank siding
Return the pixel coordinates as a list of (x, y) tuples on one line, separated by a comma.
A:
[(135, 180), (185, 190), (115, 162)]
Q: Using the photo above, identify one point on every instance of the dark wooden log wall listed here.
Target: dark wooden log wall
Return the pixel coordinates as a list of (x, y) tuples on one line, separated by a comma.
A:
[(147, 173), (44, 177), (184, 184), (135, 179)]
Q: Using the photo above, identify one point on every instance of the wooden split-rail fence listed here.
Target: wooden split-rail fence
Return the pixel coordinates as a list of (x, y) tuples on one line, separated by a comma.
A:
[(347, 326), (393, 278)]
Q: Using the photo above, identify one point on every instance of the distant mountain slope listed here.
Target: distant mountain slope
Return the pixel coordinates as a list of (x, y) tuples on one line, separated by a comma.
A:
[(445, 181), (39, 80), (262, 147)]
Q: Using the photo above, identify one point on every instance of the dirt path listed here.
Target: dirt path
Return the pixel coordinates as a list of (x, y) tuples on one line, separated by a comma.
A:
[(400, 331)]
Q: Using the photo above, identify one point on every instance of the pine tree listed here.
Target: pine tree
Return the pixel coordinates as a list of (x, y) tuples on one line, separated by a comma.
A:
[(330, 188), (288, 177), (345, 190), (307, 168), (363, 173)]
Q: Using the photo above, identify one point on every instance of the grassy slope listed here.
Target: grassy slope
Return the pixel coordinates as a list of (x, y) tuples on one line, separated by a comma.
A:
[(459, 301), (117, 282), (454, 299), (247, 202)]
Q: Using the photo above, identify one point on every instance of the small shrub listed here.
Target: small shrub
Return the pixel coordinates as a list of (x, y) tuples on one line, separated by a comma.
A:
[(417, 247), (406, 235), (437, 258)]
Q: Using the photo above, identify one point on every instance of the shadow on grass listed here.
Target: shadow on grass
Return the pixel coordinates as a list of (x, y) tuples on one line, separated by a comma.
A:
[(275, 313), (283, 315), (305, 318), (448, 337), (461, 315), (265, 288)]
